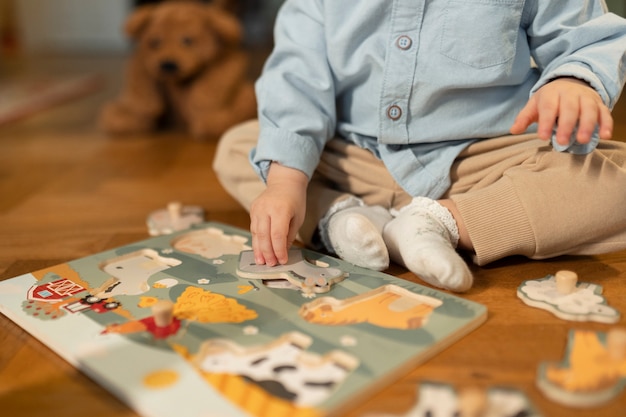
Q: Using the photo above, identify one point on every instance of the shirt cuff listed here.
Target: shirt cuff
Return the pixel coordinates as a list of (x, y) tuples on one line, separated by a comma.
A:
[(288, 149)]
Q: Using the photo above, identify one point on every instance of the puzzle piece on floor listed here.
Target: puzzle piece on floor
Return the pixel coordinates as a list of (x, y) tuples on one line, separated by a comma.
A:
[(592, 373), (310, 278), (173, 218), (565, 297), (438, 399)]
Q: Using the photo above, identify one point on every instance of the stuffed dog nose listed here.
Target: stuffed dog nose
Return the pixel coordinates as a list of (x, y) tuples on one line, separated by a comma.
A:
[(169, 67)]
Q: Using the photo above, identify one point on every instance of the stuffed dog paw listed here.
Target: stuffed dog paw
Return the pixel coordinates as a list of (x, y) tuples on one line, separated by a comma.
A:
[(187, 66)]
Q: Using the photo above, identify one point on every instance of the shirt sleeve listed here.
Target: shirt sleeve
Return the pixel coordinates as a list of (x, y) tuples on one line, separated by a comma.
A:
[(296, 93), (573, 38)]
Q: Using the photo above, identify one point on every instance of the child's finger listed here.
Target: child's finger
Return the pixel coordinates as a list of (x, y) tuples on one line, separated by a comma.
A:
[(279, 241), (525, 118), (587, 122), (606, 123), (261, 242), (568, 118)]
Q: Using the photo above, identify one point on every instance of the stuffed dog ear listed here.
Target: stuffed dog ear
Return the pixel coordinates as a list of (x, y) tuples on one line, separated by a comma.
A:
[(225, 25), (137, 21)]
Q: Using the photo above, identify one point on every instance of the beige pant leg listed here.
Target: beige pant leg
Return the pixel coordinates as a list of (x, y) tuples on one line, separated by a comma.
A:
[(232, 165), (517, 196), (344, 170)]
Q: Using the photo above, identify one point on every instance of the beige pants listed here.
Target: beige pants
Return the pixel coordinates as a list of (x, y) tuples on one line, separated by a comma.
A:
[(515, 194)]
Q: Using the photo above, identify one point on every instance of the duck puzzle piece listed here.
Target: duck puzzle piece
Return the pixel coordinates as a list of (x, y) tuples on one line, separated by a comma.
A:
[(310, 278), (592, 373), (565, 297), (437, 399)]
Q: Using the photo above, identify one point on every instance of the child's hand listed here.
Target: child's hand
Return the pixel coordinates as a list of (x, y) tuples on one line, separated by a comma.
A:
[(568, 103), (277, 214)]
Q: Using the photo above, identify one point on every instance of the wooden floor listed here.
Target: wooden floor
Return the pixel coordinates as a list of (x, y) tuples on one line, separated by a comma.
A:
[(68, 191)]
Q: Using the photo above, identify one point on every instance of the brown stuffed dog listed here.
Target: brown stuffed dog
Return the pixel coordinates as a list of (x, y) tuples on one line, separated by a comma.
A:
[(188, 66)]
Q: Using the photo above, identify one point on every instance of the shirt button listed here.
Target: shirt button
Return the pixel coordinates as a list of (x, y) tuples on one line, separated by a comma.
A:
[(404, 42), (394, 112)]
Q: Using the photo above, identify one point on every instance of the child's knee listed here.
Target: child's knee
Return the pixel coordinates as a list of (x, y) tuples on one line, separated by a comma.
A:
[(233, 149)]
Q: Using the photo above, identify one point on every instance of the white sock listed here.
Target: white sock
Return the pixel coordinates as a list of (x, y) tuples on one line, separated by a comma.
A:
[(353, 231), (423, 237)]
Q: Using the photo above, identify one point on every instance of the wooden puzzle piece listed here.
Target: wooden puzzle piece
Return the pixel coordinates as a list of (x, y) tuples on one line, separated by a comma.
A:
[(210, 243), (194, 304), (162, 324), (389, 306), (132, 271), (281, 368), (173, 218), (565, 297), (437, 399), (310, 278), (592, 373)]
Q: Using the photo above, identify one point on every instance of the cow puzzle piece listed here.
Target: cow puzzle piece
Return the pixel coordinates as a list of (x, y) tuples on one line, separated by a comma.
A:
[(173, 218), (438, 399), (592, 373), (565, 297), (308, 277), (282, 369)]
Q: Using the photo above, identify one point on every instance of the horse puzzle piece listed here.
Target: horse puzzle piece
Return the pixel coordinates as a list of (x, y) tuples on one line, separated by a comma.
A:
[(309, 278), (565, 297), (388, 306), (436, 399), (173, 218), (282, 369), (592, 373)]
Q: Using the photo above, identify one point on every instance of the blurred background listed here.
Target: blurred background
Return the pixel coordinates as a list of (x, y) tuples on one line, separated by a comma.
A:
[(94, 26), (32, 26)]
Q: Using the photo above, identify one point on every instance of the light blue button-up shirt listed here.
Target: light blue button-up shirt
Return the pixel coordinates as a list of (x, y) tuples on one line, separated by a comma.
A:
[(416, 81)]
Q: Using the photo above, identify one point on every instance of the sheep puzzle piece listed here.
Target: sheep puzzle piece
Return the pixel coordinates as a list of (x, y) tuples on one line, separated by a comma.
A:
[(187, 318), (565, 297)]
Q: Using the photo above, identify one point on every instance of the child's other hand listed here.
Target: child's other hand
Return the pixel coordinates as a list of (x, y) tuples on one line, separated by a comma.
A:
[(277, 214), (568, 103)]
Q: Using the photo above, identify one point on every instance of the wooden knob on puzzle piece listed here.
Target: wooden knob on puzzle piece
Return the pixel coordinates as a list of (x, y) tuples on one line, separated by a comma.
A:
[(566, 281), (163, 313), (175, 209), (472, 402), (616, 343)]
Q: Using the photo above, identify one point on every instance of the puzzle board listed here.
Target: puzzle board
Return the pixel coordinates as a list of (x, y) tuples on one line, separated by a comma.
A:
[(236, 346)]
